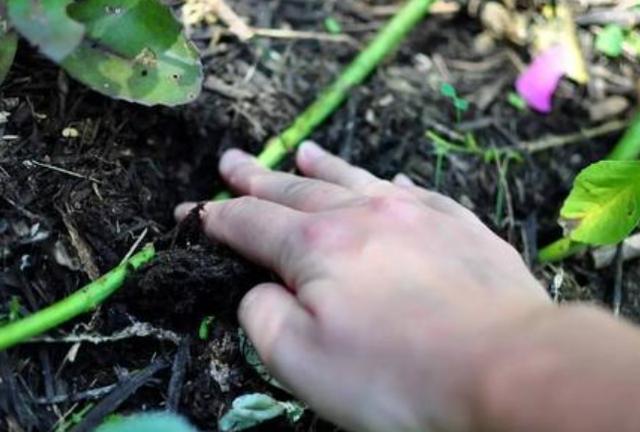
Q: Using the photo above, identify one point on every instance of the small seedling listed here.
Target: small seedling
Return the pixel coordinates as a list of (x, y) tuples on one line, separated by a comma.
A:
[(332, 25), (610, 40), (205, 327), (517, 101), (469, 146), (14, 313), (460, 105)]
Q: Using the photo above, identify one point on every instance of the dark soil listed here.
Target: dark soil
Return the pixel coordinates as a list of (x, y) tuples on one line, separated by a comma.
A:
[(72, 207)]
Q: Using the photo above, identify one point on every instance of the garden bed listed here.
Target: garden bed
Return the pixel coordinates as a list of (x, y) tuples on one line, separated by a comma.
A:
[(84, 179)]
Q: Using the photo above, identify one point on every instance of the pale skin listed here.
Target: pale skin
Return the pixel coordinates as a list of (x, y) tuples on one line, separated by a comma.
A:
[(400, 311)]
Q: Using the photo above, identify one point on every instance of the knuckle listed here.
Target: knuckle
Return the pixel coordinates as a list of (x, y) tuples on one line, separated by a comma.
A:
[(325, 234), (396, 207)]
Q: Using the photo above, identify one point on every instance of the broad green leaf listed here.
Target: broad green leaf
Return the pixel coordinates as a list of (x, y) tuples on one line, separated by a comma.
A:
[(604, 205), (610, 40), (8, 47), (45, 23), (148, 422), (253, 409), (134, 50)]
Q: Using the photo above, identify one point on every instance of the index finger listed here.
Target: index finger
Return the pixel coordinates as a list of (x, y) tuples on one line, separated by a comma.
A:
[(260, 230)]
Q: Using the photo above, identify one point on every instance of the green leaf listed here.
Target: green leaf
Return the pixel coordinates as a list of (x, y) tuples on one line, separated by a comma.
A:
[(632, 40), (610, 40), (449, 91), (45, 23), (332, 25), (253, 409), (134, 50), (517, 101), (8, 48), (604, 205), (462, 105), (250, 410), (148, 422)]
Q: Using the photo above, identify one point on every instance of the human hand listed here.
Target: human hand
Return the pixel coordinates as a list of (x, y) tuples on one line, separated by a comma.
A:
[(391, 294)]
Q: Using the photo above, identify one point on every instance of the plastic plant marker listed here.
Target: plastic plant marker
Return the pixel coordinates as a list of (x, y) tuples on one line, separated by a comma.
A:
[(8, 48), (604, 205), (45, 23), (134, 50), (610, 40), (539, 82)]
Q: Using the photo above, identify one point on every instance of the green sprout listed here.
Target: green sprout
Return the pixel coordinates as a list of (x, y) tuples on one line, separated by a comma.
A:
[(517, 101), (469, 146), (332, 25), (205, 327), (460, 105)]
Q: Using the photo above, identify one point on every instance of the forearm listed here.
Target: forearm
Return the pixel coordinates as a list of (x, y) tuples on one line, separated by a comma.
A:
[(570, 369)]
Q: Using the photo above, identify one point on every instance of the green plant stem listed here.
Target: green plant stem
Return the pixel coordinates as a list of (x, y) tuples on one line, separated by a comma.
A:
[(275, 150), (82, 301), (389, 38), (628, 148)]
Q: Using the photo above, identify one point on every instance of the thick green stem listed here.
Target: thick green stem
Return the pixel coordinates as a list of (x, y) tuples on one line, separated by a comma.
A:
[(389, 38), (82, 301), (275, 150), (628, 148)]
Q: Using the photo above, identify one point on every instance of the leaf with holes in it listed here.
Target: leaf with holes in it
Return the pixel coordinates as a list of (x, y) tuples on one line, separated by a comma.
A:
[(8, 47), (604, 205), (134, 50), (45, 23)]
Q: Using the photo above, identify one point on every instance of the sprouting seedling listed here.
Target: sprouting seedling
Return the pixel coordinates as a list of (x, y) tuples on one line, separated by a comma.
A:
[(460, 105), (332, 25), (469, 146)]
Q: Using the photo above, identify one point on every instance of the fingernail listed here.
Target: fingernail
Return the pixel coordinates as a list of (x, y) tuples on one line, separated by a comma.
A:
[(182, 210), (403, 180), (311, 151), (233, 158)]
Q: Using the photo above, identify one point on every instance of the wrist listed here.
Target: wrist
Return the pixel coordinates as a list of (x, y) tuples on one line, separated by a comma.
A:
[(568, 369)]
